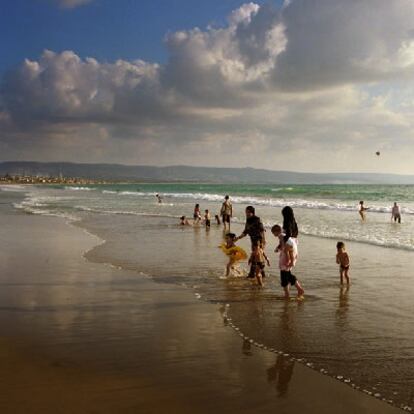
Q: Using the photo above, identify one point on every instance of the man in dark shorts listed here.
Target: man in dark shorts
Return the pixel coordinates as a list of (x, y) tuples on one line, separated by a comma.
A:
[(226, 211), (255, 229)]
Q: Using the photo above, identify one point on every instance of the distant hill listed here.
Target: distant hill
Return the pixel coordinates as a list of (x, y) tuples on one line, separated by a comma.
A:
[(117, 172)]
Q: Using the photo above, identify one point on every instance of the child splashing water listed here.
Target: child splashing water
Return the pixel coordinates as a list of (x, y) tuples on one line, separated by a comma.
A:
[(234, 253)]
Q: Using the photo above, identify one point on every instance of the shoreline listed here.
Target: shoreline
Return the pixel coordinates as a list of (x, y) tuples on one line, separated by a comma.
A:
[(73, 305)]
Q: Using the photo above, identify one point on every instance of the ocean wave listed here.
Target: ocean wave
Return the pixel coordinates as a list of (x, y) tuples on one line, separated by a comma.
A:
[(334, 234), (40, 204), (124, 212), (36, 203), (130, 193), (374, 240), (13, 188), (276, 190), (38, 209), (261, 201), (79, 188)]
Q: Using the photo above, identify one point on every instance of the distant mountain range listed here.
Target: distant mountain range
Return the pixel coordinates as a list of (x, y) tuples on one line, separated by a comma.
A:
[(117, 172)]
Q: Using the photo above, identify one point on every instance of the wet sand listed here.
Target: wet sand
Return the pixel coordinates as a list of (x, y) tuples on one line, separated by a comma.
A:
[(84, 337)]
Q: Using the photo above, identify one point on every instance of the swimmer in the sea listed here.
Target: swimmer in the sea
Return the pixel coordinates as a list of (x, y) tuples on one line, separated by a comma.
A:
[(158, 198), (342, 259), (184, 221), (396, 213), (362, 209)]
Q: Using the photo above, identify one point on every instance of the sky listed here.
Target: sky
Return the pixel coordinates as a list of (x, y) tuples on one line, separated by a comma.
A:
[(299, 85)]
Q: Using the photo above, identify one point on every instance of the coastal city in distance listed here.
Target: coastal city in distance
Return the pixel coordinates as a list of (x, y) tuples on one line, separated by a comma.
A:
[(29, 179)]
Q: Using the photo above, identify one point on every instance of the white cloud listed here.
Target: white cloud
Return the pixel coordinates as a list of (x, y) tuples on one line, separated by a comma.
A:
[(334, 42), (309, 86), (243, 15)]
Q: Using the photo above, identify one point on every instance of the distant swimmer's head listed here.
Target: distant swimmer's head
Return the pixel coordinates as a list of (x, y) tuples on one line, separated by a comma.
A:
[(197, 205), (182, 218), (361, 202), (205, 211), (340, 245), (395, 204), (226, 197), (250, 211), (276, 230)]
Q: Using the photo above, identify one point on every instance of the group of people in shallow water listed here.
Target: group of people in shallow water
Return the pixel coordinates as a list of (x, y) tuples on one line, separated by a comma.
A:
[(287, 248), (226, 213), (287, 244)]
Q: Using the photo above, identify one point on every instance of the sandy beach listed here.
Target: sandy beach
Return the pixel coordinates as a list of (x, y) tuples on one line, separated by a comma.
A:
[(86, 337), (134, 135)]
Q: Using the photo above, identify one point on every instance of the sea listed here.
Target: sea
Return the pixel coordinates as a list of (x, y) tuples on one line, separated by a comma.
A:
[(362, 334)]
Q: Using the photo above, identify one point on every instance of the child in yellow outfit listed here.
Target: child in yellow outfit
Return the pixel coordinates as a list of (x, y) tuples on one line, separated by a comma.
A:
[(235, 253)]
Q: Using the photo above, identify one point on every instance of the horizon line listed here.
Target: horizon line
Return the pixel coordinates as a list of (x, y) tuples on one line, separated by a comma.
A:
[(207, 167)]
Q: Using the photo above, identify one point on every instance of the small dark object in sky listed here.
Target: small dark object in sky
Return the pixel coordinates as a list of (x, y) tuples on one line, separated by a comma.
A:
[(378, 153)]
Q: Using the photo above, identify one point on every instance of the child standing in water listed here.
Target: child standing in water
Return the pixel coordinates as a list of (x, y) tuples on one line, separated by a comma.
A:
[(207, 218), (234, 253), (257, 262), (342, 259), (197, 214), (288, 253)]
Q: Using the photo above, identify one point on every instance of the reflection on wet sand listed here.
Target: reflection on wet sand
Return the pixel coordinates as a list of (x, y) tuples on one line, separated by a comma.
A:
[(343, 306), (280, 374), (247, 348), (287, 322)]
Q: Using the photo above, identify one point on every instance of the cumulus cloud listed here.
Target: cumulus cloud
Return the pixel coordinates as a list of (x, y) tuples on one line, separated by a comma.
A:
[(312, 85), (63, 87), (337, 42), (222, 66)]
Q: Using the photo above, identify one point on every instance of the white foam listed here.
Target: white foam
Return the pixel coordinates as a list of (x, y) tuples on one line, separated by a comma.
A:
[(80, 188), (264, 201), (375, 239), (13, 188), (124, 212), (129, 193), (38, 204)]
